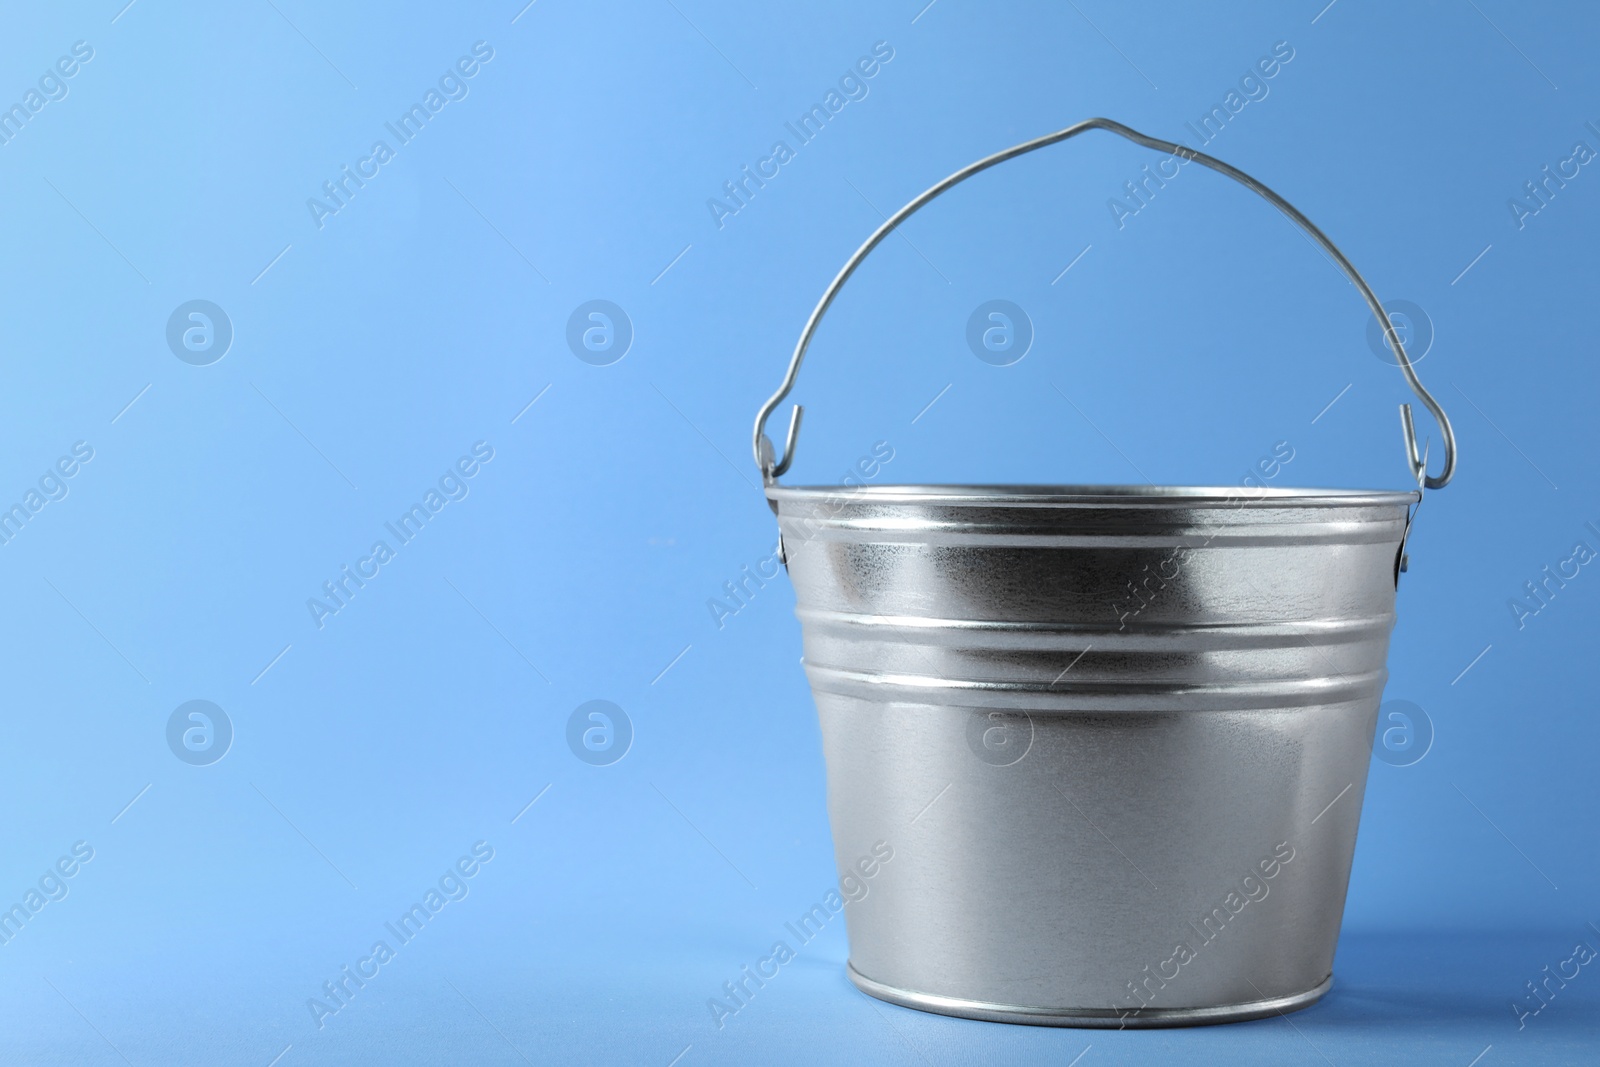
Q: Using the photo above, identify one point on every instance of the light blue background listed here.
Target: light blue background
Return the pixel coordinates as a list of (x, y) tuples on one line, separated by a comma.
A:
[(428, 312)]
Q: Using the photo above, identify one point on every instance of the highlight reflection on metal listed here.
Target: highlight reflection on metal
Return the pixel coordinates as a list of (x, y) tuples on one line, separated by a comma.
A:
[(1117, 736), (773, 467)]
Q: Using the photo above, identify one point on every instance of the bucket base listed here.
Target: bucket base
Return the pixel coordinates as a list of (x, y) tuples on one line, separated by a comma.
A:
[(1088, 1018)]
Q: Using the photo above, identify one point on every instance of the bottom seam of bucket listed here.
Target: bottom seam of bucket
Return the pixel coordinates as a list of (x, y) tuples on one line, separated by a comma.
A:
[(1087, 1018)]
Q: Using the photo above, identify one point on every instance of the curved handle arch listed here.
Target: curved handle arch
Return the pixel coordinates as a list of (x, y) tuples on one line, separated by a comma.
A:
[(773, 466)]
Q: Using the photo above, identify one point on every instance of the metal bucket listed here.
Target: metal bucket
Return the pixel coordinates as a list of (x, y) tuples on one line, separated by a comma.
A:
[(1095, 754)]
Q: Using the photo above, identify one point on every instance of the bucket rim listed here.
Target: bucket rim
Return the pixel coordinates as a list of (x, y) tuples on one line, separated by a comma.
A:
[(1125, 496)]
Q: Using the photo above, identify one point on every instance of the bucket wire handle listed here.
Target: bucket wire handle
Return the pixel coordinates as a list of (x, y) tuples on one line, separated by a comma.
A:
[(773, 466)]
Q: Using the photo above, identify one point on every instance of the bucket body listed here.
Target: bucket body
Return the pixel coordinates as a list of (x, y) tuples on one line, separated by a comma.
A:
[(1096, 754), (1113, 740)]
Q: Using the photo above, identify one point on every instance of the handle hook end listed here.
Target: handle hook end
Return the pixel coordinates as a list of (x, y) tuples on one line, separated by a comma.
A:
[(773, 468), (1419, 460)]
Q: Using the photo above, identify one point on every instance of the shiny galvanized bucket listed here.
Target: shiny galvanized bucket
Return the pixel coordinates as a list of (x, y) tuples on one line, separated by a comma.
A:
[(1096, 754)]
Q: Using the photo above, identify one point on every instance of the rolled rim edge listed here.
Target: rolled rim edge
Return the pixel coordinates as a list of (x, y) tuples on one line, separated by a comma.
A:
[(1130, 496)]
